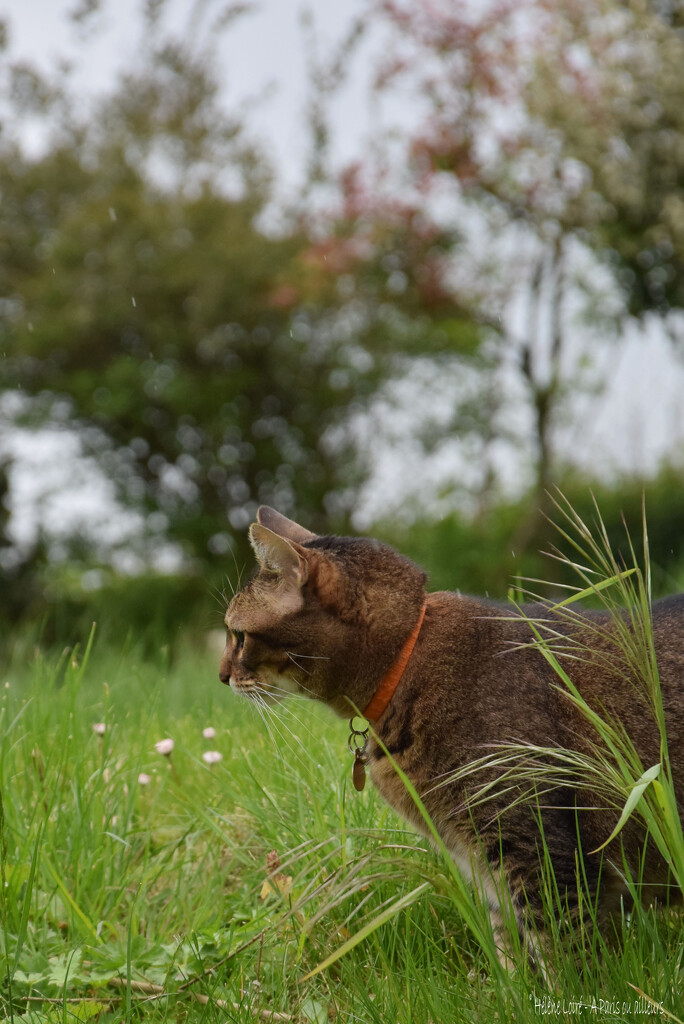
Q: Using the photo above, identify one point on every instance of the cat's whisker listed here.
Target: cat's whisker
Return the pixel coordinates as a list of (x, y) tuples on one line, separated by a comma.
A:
[(298, 748), (284, 695), (239, 571), (311, 657), (302, 687), (255, 706), (295, 662), (285, 710), (263, 710), (273, 720), (283, 691), (218, 596), (278, 706)]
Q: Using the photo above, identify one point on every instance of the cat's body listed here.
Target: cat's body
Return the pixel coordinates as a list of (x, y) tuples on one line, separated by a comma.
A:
[(329, 617)]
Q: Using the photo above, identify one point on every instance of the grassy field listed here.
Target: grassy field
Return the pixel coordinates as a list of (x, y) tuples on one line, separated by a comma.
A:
[(142, 887)]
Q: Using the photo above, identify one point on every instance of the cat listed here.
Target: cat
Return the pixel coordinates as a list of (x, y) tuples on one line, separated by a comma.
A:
[(446, 681)]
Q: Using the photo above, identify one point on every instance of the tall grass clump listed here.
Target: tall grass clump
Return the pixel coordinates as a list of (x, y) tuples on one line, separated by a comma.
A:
[(624, 592), (612, 768)]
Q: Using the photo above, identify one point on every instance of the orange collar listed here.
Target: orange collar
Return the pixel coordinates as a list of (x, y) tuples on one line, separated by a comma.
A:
[(390, 681)]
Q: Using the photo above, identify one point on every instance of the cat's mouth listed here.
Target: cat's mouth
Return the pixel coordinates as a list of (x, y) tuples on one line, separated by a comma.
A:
[(259, 690), (246, 687)]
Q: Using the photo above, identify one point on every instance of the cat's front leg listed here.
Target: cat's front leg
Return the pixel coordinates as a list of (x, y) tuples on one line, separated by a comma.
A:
[(530, 940)]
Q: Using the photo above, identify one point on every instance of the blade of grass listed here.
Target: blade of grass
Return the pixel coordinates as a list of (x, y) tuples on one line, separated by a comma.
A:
[(595, 588), (633, 799), (26, 906), (92, 932), (658, 1007), (369, 928), (87, 653)]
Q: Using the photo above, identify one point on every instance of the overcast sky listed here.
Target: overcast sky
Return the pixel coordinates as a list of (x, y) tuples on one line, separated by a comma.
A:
[(262, 56)]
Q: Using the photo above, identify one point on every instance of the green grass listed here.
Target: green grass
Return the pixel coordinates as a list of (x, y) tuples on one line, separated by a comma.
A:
[(215, 893), (115, 892)]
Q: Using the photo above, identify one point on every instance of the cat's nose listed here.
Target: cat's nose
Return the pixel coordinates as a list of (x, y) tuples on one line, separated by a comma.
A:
[(225, 666)]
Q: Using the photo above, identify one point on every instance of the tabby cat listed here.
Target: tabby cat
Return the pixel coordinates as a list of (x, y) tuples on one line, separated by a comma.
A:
[(445, 680)]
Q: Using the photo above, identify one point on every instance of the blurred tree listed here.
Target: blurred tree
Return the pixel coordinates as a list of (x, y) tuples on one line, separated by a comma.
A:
[(550, 134), (211, 364), (143, 302), (375, 277), (610, 81)]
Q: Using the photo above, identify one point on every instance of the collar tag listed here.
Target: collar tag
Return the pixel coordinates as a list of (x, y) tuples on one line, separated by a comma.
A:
[(358, 743)]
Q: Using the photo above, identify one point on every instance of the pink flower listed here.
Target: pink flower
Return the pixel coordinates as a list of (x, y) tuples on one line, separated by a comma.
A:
[(209, 732), (144, 779), (212, 756), (164, 747), (99, 728)]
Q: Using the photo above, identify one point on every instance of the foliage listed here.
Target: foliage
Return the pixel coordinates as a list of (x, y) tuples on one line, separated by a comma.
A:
[(473, 554), (376, 276), (143, 300), (611, 84), (566, 115), (145, 611), (550, 131), (209, 362), (480, 556)]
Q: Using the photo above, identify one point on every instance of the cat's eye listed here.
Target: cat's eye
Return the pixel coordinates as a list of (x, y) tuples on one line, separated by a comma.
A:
[(238, 638)]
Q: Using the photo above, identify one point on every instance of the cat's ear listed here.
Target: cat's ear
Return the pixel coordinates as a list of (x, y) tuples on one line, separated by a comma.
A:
[(278, 555), (283, 526)]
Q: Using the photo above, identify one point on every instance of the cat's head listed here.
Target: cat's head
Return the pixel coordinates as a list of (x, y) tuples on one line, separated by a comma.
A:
[(322, 617)]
